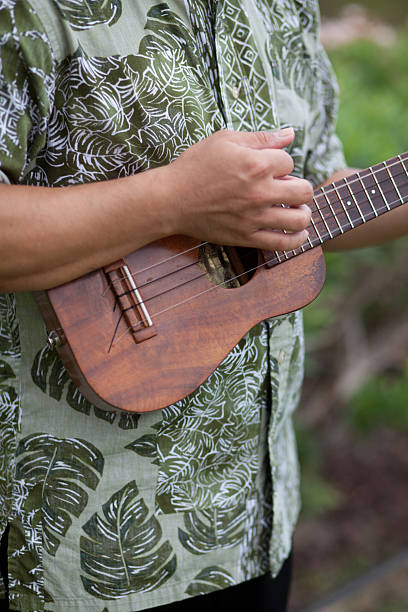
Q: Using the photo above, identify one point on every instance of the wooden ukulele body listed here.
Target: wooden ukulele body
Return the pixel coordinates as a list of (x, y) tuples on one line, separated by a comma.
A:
[(195, 323)]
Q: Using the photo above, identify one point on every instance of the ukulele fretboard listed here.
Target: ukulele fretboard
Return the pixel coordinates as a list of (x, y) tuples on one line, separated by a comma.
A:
[(350, 202)]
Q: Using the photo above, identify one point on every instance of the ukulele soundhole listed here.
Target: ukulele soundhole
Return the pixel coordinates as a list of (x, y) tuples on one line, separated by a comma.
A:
[(230, 267)]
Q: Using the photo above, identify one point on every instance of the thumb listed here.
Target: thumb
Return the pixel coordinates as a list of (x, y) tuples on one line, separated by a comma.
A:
[(266, 140)]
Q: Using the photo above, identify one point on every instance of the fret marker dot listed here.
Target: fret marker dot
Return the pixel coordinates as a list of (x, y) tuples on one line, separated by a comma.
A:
[(373, 191), (348, 203)]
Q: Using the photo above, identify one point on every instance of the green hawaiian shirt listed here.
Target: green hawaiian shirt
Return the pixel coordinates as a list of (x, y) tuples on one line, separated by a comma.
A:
[(118, 512)]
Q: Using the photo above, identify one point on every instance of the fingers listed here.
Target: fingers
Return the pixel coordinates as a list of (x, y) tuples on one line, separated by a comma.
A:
[(266, 163), (274, 240), (288, 219), (260, 152), (289, 190), (264, 140)]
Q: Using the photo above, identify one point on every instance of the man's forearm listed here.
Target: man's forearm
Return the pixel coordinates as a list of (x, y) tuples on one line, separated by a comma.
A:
[(225, 189), (50, 236), (389, 226)]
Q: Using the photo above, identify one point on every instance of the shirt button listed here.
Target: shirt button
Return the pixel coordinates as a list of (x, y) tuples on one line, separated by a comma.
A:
[(235, 92)]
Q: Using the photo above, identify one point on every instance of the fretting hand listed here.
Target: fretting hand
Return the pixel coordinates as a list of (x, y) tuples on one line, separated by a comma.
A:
[(229, 189)]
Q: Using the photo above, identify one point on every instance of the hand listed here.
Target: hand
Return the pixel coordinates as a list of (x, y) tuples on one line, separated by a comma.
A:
[(229, 189)]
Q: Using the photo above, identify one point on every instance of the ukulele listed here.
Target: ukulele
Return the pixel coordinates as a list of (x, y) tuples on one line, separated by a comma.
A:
[(147, 330)]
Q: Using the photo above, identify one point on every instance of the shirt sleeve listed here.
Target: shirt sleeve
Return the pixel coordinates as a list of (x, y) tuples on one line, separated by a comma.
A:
[(325, 153), (27, 69)]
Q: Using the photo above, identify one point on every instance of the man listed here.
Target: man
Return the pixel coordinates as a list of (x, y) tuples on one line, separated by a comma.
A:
[(122, 106)]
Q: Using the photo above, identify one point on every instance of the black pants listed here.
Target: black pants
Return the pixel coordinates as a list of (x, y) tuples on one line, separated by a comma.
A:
[(263, 594)]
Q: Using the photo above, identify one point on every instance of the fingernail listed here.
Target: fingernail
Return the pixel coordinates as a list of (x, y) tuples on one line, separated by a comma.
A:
[(285, 132)]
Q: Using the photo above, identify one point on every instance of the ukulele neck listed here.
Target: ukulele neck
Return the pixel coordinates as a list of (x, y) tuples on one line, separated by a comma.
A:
[(352, 201)]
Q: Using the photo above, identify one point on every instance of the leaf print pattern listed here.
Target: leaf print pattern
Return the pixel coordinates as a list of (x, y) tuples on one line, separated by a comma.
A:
[(26, 87), (49, 374), (212, 529), (210, 579), (9, 402), (57, 471), (9, 415), (5, 372), (84, 14), (122, 552), (255, 544), (9, 337), (208, 443), (119, 115), (25, 569), (146, 446)]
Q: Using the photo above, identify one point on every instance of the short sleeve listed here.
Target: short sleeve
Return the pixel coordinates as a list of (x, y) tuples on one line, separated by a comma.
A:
[(27, 70), (325, 155)]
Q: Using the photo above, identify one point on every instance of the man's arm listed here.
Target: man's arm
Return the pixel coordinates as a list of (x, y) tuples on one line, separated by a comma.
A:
[(222, 189), (389, 226)]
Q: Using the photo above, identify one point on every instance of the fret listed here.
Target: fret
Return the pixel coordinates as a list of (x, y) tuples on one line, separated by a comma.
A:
[(322, 216), (376, 198), (374, 173), (300, 250), (278, 256), (316, 230), (369, 200), (392, 180), (401, 177), (327, 212), (333, 214), (340, 213), (338, 188), (350, 189), (387, 184), (404, 159)]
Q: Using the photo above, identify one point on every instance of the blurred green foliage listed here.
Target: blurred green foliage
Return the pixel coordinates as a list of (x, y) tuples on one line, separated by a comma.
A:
[(381, 401), (373, 125), (318, 495), (391, 606), (373, 118)]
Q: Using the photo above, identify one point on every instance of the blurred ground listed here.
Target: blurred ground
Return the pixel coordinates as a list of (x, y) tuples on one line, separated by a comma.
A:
[(355, 21)]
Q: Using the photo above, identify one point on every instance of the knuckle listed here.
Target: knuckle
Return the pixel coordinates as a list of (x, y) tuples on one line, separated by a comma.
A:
[(289, 162), (283, 163), (293, 242), (259, 196), (255, 165), (263, 138), (287, 242), (300, 223), (281, 241), (307, 193), (306, 215)]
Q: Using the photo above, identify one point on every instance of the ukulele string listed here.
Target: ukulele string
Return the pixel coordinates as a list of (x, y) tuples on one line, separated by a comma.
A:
[(218, 267), (274, 260), (321, 219), (322, 191)]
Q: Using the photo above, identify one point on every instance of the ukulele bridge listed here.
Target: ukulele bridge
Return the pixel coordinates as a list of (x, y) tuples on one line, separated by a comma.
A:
[(130, 301)]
